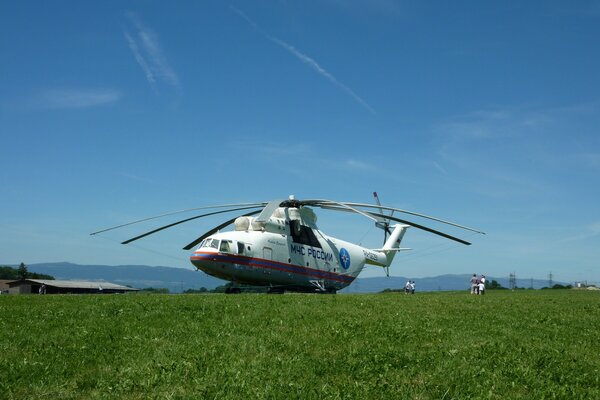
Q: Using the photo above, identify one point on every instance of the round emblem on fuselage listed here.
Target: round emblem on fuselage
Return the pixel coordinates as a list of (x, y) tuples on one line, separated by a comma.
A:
[(344, 258)]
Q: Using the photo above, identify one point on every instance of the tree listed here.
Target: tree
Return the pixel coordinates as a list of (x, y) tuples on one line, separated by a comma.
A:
[(22, 271), (201, 290), (10, 273), (494, 285), (155, 290)]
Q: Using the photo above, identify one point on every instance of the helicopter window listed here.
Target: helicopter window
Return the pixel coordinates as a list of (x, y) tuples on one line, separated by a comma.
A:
[(214, 243), (225, 247), (303, 234), (240, 247)]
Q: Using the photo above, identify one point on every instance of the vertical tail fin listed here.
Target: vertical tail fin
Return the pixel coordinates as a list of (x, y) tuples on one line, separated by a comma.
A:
[(392, 245), (390, 248)]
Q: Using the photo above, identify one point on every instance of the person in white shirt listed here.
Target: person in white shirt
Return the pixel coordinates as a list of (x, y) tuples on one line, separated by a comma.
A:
[(482, 284)]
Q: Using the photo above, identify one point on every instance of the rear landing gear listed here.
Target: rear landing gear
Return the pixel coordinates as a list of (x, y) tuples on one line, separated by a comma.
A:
[(233, 290)]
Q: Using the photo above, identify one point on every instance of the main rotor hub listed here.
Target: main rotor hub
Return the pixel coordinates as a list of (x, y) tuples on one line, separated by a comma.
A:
[(293, 203)]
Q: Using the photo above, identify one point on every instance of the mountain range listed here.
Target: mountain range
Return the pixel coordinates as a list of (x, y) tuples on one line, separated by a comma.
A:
[(180, 279)]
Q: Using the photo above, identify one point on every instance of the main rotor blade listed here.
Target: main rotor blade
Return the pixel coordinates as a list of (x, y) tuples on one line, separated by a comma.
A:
[(385, 224), (181, 222), (378, 202), (340, 206), (329, 204), (261, 204), (424, 228), (217, 228)]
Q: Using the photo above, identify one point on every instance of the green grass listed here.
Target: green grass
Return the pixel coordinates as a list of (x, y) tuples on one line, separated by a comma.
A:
[(524, 344)]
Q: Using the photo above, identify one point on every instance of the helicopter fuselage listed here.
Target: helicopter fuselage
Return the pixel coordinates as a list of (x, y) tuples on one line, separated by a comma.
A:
[(283, 254), (268, 259)]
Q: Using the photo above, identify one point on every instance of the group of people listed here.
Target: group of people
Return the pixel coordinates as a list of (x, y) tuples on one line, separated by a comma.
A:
[(478, 284), (409, 288)]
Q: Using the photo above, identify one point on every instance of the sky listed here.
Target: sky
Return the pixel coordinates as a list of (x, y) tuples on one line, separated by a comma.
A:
[(482, 113)]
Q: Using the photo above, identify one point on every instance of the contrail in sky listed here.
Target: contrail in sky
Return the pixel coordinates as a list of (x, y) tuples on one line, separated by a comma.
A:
[(305, 59), (149, 55)]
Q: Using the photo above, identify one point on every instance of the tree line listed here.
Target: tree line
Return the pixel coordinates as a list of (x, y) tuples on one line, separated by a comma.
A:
[(10, 273)]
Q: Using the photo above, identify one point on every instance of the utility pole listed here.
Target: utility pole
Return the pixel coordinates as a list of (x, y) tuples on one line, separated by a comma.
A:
[(512, 281), (550, 280)]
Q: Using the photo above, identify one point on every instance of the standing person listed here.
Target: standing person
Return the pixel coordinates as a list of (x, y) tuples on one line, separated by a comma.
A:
[(412, 287), (474, 284), (482, 284), (407, 287)]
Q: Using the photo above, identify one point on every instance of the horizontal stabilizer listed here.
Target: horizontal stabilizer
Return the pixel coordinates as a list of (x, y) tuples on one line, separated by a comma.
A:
[(398, 249)]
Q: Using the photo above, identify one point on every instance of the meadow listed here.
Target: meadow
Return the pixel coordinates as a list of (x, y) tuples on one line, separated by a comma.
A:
[(445, 345)]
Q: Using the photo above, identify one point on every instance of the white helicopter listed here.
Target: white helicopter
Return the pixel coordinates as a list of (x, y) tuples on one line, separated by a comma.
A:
[(282, 248)]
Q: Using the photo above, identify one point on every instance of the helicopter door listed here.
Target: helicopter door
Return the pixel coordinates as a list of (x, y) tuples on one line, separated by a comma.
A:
[(267, 253)]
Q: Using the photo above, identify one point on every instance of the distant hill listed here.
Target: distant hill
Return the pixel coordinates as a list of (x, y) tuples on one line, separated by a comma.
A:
[(180, 279), (138, 276)]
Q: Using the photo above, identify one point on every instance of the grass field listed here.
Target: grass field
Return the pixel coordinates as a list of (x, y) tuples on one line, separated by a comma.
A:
[(523, 344)]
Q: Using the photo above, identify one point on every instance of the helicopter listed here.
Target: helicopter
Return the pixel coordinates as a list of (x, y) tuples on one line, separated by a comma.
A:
[(282, 248)]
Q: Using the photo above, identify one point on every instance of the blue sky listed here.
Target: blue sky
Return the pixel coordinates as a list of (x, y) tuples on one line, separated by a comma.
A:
[(483, 114)]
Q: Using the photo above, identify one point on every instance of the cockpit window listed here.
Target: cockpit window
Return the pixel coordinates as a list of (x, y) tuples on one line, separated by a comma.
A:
[(214, 243), (225, 247)]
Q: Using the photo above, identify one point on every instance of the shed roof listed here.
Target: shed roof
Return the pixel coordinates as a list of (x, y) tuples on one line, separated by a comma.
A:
[(77, 284), (4, 283)]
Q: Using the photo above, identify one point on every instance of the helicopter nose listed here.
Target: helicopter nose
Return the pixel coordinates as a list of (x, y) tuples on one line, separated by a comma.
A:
[(204, 261)]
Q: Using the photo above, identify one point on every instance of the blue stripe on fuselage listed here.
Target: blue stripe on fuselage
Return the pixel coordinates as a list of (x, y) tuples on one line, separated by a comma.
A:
[(262, 263)]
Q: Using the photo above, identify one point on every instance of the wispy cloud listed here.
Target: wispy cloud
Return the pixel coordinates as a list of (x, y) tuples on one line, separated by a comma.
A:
[(306, 59), (76, 98), (591, 160), (519, 121), (520, 149), (140, 60), (291, 154), (494, 123), (389, 8), (144, 45), (440, 168), (586, 232), (356, 165), (136, 178), (273, 150)]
